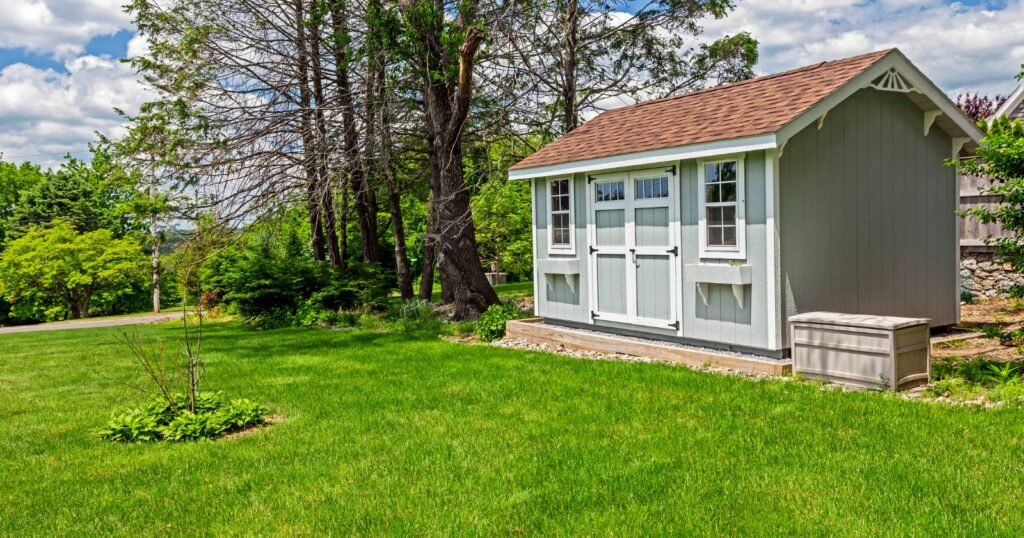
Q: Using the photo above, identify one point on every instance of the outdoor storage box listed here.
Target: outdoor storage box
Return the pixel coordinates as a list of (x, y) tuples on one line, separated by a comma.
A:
[(864, 351)]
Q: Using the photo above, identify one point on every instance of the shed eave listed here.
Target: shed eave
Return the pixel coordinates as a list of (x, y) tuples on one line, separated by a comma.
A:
[(645, 158), (1011, 103)]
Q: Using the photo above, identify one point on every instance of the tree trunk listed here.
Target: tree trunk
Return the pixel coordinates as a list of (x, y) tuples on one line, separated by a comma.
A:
[(429, 250), (323, 178), (365, 200), (154, 235), (570, 115), (378, 98), (308, 138)]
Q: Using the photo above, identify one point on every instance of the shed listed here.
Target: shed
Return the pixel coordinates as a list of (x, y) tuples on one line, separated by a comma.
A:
[(712, 217)]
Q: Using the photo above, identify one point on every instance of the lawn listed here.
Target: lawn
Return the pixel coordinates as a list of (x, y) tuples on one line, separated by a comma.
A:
[(411, 435), (506, 291)]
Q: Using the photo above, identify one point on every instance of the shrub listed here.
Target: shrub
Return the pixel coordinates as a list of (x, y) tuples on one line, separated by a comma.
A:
[(417, 315), (159, 419), (189, 426), (241, 414), (492, 323), (132, 426)]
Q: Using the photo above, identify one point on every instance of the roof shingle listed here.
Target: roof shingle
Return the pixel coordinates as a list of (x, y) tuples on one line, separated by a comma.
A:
[(757, 106)]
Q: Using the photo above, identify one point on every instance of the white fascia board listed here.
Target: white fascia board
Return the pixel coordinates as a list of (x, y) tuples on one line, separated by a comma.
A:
[(646, 158), (1011, 103), (910, 73)]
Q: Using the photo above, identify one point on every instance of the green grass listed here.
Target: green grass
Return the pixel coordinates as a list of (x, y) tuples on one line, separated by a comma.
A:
[(505, 291), (410, 435)]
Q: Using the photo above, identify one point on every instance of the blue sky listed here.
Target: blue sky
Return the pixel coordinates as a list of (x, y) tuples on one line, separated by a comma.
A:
[(60, 78)]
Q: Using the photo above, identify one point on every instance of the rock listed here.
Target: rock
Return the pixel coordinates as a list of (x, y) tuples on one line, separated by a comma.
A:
[(969, 264)]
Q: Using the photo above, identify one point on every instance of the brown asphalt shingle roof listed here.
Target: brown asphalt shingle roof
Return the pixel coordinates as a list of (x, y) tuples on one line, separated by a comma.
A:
[(757, 106)]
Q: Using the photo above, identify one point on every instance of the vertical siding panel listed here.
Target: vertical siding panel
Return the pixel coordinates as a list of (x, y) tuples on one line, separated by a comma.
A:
[(894, 217)]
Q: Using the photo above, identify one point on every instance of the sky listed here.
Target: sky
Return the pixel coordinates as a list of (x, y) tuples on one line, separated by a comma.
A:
[(61, 78)]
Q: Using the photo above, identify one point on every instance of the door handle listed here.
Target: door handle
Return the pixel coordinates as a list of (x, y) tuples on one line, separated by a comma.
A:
[(632, 253)]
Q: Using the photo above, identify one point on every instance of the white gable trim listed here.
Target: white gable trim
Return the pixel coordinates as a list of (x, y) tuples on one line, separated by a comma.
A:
[(1011, 103), (644, 158), (910, 74)]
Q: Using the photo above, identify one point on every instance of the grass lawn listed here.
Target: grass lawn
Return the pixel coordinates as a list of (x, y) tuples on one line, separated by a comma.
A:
[(506, 291), (408, 434)]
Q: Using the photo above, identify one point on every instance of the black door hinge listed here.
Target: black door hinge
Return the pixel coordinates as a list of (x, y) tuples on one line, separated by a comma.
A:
[(592, 251), (590, 179), (673, 251), (674, 325), (593, 315), (671, 170)]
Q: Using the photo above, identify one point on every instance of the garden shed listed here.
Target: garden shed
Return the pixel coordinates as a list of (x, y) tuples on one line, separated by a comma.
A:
[(712, 217)]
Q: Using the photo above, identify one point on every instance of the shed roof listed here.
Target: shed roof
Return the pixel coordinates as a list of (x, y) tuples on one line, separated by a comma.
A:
[(759, 106)]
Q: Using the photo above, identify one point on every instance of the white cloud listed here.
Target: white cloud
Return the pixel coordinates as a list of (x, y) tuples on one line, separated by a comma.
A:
[(44, 114), (58, 27), (960, 47)]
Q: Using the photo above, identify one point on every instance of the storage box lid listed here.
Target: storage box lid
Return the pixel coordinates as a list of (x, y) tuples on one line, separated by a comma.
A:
[(857, 320)]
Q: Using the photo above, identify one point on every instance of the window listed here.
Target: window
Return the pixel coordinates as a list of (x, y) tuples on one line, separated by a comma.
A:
[(610, 191), (650, 188), (561, 233), (722, 208)]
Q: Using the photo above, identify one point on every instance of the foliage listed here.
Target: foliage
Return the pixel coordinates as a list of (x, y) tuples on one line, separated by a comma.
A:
[(14, 180), (50, 272), (90, 196), (417, 315), (170, 419), (189, 426), (132, 426), (979, 107), (1001, 159), (492, 323), (503, 215)]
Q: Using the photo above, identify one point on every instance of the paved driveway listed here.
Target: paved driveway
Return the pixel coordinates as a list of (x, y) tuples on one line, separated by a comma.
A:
[(92, 323)]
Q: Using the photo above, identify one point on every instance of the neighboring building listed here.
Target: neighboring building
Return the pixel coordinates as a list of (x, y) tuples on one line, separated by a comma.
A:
[(982, 273), (714, 216)]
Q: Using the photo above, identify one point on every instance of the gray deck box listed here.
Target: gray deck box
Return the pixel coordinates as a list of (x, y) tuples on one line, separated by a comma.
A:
[(863, 351)]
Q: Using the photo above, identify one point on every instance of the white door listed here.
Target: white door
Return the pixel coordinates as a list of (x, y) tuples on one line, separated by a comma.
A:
[(634, 248)]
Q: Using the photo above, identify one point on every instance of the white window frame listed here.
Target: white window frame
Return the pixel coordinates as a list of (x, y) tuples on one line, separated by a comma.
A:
[(569, 249), (739, 251)]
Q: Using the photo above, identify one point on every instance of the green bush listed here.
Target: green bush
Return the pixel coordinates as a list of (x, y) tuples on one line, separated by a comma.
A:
[(189, 426), (492, 323), (132, 426), (241, 414), (417, 315), (160, 419)]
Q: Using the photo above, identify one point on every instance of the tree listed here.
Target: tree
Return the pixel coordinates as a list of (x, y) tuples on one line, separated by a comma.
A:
[(60, 267), (443, 39), (979, 107), (504, 228), (1001, 159), (89, 195), (14, 180), (576, 56)]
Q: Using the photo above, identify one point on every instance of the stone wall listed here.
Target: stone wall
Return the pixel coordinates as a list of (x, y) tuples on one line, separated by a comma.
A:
[(985, 275)]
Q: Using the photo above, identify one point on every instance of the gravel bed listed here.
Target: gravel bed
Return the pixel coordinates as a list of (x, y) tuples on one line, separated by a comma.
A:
[(515, 343)]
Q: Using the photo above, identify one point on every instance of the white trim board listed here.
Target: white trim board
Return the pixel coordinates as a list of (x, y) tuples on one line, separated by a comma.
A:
[(665, 156), (1011, 103)]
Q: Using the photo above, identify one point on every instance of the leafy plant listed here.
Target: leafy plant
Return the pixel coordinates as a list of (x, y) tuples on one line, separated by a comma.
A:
[(1002, 374), (492, 323), (417, 315), (189, 426), (132, 426), (241, 413)]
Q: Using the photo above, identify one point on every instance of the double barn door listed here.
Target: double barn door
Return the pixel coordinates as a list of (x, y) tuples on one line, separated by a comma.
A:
[(634, 247)]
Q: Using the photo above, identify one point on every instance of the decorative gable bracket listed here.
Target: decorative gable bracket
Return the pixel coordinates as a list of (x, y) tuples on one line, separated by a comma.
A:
[(893, 81)]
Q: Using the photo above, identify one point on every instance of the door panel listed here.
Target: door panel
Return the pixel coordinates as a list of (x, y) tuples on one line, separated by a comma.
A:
[(652, 227), (611, 273), (653, 285), (611, 227)]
